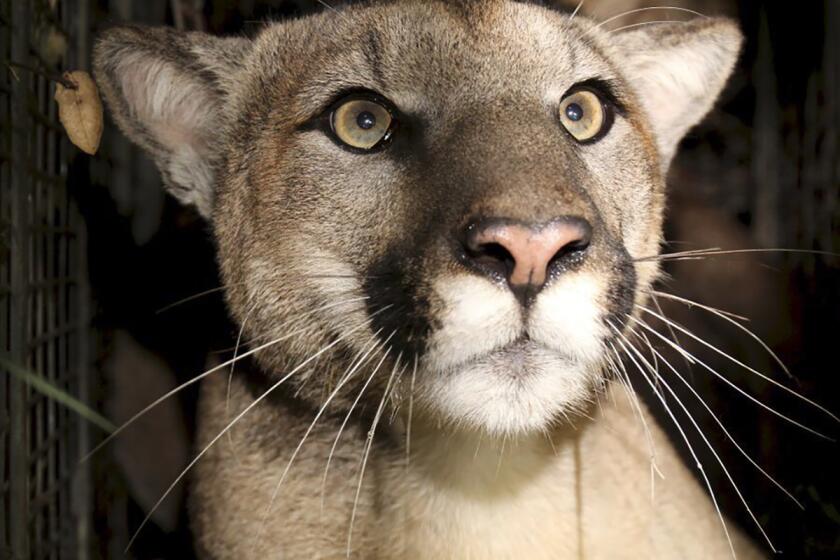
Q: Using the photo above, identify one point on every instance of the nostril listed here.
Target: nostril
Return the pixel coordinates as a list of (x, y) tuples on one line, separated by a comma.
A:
[(493, 256), (566, 259), (571, 251)]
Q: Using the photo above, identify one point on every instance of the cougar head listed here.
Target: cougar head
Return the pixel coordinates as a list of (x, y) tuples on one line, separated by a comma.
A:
[(460, 193)]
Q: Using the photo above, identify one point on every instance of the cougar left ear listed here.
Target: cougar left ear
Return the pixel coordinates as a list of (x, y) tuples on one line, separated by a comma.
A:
[(166, 90), (677, 71)]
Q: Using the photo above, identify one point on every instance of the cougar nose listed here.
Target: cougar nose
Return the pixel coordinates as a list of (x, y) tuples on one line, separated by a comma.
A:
[(524, 253)]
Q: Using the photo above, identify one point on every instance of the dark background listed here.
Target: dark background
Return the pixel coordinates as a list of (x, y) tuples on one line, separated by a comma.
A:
[(762, 171)]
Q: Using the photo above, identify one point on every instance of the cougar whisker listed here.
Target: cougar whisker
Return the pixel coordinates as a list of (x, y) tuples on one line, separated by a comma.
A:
[(368, 445), (741, 364), (649, 9), (577, 9), (201, 376), (230, 374), (410, 413), (349, 413), (726, 432), (357, 362), (194, 297), (644, 24), (672, 333), (714, 452), (232, 423), (690, 303), (701, 253), (331, 8), (733, 385), (728, 317), (633, 397), (682, 433)]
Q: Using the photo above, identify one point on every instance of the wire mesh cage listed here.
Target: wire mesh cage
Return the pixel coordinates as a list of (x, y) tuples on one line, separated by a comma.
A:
[(43, 293)]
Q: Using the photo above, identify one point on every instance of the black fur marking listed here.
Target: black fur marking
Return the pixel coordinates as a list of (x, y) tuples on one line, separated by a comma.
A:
[(389, 282), (622, 292), (373, 53)]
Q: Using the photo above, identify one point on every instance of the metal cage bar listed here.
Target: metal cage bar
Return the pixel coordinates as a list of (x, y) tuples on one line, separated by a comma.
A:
[(44, 310)]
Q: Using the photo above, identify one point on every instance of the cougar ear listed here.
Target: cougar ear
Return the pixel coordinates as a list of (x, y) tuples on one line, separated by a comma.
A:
[(677, 71), (166, 90)]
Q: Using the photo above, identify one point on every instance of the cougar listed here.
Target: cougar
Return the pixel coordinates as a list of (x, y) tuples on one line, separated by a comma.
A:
[(437, 225)]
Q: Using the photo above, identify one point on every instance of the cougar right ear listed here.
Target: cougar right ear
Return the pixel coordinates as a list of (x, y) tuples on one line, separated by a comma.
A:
[(678, 70), (166, 90)]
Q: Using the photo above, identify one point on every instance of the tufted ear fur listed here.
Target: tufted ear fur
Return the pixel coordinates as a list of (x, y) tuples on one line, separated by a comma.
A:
[(677, 71), (166, 90)]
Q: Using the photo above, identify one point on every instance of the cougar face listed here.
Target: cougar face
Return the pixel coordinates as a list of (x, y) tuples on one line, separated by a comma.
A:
[(456, 192)]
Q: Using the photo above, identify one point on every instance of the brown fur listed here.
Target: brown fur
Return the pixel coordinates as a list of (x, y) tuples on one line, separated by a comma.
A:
[(302, 223)]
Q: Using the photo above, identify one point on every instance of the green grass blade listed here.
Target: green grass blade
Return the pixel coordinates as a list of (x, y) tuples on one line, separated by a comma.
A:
[(43, 386)]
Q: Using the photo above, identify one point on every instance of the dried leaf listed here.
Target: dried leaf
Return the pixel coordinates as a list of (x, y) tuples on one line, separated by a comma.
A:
[(80, 111)]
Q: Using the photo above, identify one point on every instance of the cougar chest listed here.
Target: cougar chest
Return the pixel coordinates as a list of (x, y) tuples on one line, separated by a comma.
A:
[(464, 498)]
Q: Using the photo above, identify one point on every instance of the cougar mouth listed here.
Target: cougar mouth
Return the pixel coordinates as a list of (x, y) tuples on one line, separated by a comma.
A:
[(516, 359)]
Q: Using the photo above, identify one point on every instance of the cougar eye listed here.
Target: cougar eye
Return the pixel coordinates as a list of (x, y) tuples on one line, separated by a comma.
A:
[(362, 123), (585, 115)]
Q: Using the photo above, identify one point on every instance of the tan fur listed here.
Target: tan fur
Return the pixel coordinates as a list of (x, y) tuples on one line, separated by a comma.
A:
[(580, 492), (510, 457)]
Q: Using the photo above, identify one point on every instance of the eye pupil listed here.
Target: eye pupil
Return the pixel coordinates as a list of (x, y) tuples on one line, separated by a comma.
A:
[(366, 120), (574, 112)]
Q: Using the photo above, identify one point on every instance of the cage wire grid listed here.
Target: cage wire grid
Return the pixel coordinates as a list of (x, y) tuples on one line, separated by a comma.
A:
[(44, 311)]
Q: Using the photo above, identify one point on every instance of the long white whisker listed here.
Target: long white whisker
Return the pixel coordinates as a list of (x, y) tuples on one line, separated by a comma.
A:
[(633, 397), (690, 303), (740, 363), (368, 446), (726, 432), (349, 413), (194, 297), (210, 371), (710, 446), (727, 317), (731, 384), (230, 373), (577, 9), (644, 24), (235, 420), (358, 361), (331, 8), (673, 334), (716, 251), (648, 9), (410, 414), (646, 340), (676, 423)]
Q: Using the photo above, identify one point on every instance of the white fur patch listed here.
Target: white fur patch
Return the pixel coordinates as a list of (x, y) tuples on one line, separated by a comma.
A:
[(476, 318), (510, 392), (481, 370), (566, 317), (180, 114)]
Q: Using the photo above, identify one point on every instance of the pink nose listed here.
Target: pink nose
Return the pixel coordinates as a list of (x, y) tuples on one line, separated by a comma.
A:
[(525, 254)]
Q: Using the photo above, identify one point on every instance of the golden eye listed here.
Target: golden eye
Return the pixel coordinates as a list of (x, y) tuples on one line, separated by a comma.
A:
[(584, 115), (362, 123)]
